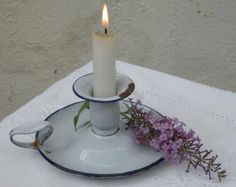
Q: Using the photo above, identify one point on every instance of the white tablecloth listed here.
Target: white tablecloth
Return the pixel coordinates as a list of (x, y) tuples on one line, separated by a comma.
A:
[(211, 112)]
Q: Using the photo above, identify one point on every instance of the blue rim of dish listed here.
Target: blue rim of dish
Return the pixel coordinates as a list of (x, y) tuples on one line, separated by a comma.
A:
[(113, 175), (96, 99)]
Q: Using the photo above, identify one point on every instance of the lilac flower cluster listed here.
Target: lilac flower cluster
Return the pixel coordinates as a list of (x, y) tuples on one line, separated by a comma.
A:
[(163, 133), (168, 135)]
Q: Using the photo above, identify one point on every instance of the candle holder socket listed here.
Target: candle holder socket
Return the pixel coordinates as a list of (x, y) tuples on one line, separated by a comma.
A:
[(104, 112)]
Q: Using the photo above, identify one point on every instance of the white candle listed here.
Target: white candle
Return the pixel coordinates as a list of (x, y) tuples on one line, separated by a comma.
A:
[(104, 69)]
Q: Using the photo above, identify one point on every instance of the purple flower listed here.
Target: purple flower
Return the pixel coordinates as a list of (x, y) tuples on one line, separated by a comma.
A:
[(151, 117), (156, 125), (162, 137), (155, 144), (191, 133), (138, 141), (168, 135), (144, 129)]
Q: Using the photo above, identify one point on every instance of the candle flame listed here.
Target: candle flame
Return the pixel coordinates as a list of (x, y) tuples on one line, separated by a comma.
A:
[(105, 20)]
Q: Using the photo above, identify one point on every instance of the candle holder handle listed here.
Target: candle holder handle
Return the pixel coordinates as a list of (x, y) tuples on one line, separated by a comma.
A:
[(28, 129)]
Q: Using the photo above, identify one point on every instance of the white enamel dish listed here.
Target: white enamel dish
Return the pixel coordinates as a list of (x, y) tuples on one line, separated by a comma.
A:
[(84, 153)]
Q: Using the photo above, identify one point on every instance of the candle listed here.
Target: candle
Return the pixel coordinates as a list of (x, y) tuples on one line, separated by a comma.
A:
[(104, 69)]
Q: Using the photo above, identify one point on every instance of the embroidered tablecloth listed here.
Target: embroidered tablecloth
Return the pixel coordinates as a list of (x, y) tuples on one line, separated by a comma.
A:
[(209, 111)]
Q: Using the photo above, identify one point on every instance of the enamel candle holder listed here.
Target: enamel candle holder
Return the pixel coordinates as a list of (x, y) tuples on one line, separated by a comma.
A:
[(105, 148)]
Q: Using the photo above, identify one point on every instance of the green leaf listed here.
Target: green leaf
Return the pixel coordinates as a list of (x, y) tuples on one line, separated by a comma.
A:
[(76, 118), (83, 107), (87, 124)]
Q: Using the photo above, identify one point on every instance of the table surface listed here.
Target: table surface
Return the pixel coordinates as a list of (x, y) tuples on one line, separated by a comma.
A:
[(209, 111)]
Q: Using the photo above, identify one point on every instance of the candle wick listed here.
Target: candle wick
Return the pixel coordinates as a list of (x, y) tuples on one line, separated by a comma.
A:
[(105, 30)]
